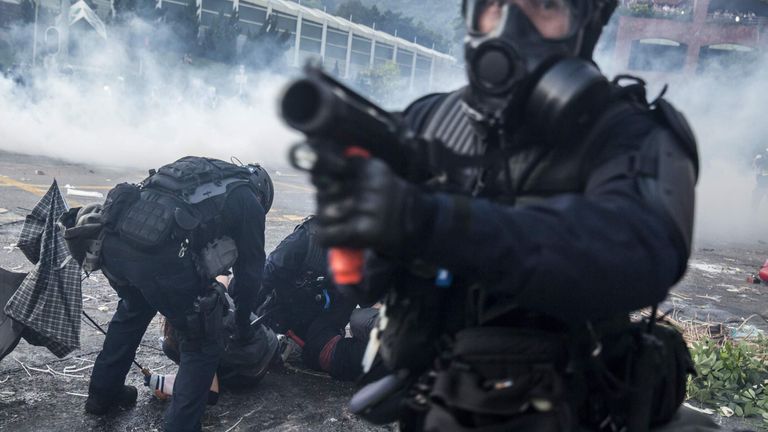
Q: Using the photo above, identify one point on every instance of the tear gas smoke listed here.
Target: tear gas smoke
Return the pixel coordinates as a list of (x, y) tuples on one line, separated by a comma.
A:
[(121, 104), (121, 107), (129, 106)]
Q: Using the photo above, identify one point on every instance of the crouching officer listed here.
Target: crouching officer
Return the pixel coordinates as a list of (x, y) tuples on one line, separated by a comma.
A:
[(557, 203), (302, 302), (162, 245)]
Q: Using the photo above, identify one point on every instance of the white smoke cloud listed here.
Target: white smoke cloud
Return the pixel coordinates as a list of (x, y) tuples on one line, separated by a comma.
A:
[(726, 110), (122, 107), (148, 120)]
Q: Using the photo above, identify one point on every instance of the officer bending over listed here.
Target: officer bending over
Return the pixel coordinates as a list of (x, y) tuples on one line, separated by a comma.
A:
[(164, 242)]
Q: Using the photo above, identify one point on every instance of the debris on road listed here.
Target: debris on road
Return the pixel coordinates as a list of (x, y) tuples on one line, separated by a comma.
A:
[(23, 367), (82, 193)]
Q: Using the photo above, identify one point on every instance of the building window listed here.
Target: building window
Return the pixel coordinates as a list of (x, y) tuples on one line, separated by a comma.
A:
[(726, 59), (657, 55)]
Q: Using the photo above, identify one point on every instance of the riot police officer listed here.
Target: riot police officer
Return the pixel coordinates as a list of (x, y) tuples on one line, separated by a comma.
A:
[(557, 203), (303, 302), (164, 242)]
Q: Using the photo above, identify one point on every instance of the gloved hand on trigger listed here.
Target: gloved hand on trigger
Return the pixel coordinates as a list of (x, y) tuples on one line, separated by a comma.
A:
[(363, 204)]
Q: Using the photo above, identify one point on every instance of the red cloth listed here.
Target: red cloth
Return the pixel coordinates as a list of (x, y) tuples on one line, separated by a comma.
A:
[(327, 353)]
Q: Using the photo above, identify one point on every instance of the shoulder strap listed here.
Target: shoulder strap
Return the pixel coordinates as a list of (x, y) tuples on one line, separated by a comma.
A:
[(675, 121), (450, 126)]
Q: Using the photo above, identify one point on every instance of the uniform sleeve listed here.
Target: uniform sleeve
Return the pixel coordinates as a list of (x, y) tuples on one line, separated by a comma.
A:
[(285, 262), (578, 256), (244, 219)]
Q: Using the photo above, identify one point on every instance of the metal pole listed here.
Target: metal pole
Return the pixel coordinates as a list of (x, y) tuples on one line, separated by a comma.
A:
[(324, 39), (144, 370), (349, 52), (299, 21), (34, 36)]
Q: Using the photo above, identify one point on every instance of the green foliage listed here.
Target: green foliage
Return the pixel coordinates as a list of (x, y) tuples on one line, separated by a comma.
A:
[(185, 26), (732, 375), (394, 22), (220, 41), (381, 81)]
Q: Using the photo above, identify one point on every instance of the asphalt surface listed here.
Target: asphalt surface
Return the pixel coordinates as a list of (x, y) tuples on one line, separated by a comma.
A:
[(288, 399), (32, 398)]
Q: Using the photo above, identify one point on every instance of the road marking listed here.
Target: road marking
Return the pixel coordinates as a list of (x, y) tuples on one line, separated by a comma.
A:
[(33, 189), (9, 182), (299, 187)]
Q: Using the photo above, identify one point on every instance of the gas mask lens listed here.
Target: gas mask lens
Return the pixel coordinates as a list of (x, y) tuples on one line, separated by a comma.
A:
[(553, 19)]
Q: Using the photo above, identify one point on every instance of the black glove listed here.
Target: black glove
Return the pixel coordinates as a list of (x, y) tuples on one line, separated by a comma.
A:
[(365, 205)]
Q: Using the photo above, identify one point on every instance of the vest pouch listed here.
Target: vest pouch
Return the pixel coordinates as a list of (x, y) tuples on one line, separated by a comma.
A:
[(414, 325), (669, 393), (501, 379), (218, 256), (649, 371), (119, 199), (146, 224)]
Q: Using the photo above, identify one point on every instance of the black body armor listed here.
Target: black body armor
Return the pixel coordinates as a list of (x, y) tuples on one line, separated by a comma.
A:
[(470, 333)]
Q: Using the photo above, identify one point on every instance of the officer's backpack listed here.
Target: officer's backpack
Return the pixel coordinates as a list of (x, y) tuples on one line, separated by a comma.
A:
[(180, 200)]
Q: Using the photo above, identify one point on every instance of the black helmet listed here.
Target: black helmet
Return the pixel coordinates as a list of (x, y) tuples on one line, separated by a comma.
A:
[(263, 184)]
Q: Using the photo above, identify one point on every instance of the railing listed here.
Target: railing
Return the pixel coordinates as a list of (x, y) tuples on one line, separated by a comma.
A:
[(736, 19), (648, 10)]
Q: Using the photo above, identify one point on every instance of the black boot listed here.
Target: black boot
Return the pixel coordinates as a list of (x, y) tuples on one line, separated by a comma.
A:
[(99, 405)]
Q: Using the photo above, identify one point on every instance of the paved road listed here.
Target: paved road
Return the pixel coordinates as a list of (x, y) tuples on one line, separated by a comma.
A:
[(287, 400)]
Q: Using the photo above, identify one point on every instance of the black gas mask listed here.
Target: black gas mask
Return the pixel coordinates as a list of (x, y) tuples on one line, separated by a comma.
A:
[(524, 66)]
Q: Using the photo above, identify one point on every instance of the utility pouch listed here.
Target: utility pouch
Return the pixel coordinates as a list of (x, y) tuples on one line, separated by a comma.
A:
[(501, 379), (146, 224), (646, 370), (211, 307), (119, 199), (218, 256), (414, 325)]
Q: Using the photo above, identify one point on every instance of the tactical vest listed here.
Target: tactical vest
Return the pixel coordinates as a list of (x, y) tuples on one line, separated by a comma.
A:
[(526, 173), (183, 202)]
